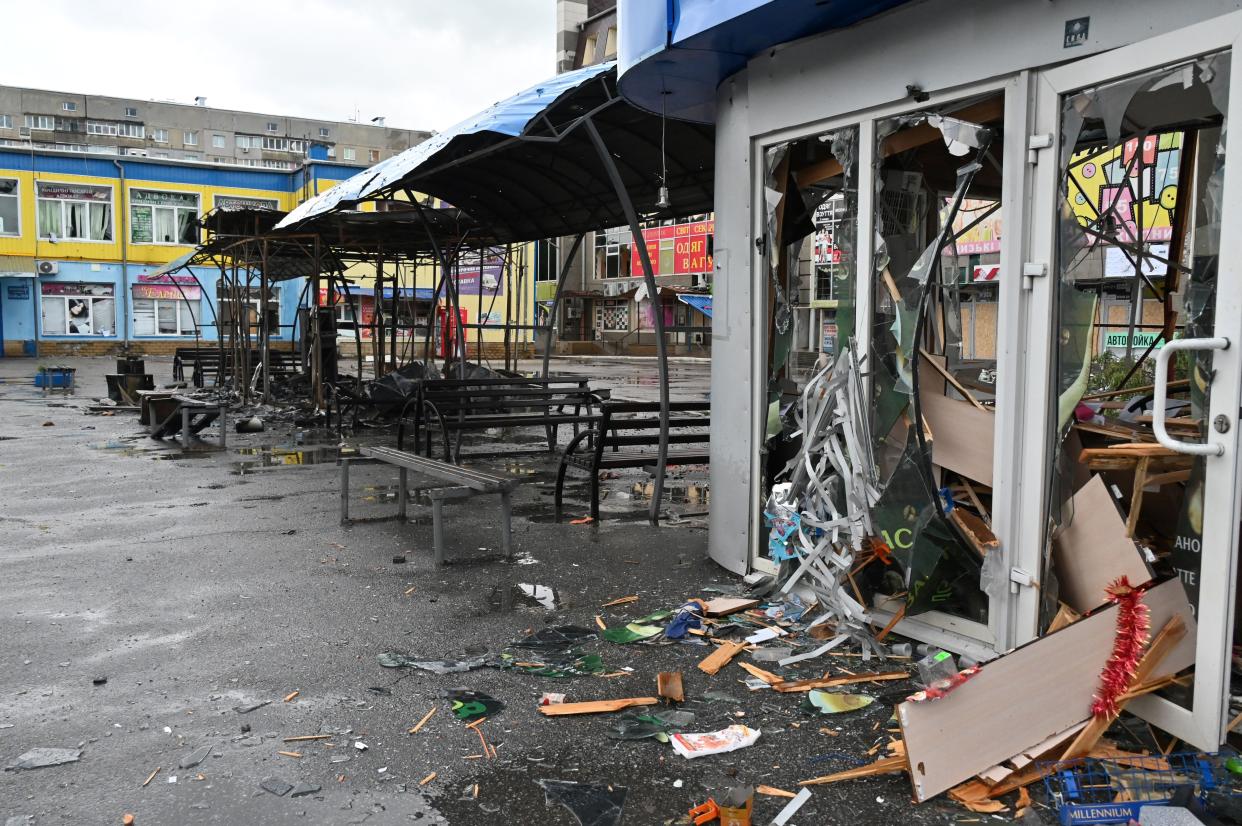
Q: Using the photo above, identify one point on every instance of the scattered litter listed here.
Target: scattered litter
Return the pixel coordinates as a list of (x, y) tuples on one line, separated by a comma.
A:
[(551, 699), (621, 601), (471, 705), (422, 722), (596, 706), (592, 804), (126, 820), (291, 696), (276, 786), (250, 708), (305, 737), (195, 757), (360, 746), (735, 806), (303, 789), (427, 779), (658, 725), (714, 742), (294, 754), (99, 681), (765, 635), (633, 632), (687, 617), (41, 758), (557, 637), (826, 702), (390, 659), (669, 686), (772, 791), (151, 777)]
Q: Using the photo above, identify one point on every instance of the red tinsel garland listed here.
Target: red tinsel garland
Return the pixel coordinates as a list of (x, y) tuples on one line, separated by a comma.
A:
[(1133, 623)]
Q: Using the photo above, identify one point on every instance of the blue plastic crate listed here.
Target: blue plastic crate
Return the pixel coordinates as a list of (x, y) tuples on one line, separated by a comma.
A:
[(1108, 790)]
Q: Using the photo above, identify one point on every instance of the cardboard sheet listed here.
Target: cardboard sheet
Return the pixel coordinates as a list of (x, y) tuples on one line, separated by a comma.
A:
[(962, 436), (1025, 697), (1092, 549)]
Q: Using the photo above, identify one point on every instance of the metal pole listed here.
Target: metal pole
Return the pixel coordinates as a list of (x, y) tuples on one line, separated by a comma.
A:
[(561, 278), (265, 333), (450, 287), (657, 311)]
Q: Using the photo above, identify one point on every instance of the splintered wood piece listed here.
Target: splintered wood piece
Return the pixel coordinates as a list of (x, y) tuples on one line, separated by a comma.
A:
[(897, 617), (1064, 616), (719, 658), (289, 698), (423, 721), (668, 686), (888, 765), (1163, 643), (621, 601), (308, 737), (973, 794), (829, 682), (755, 671), (596, 706), (294, 754), (975, 530), (772, 791), (723, 606), (427, 779), (1053, 681)]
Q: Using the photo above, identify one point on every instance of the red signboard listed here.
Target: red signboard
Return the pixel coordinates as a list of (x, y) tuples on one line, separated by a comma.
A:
[(688, 246)]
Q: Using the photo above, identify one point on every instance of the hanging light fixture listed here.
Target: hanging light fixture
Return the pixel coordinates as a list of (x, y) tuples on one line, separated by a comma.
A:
[(662, 201)]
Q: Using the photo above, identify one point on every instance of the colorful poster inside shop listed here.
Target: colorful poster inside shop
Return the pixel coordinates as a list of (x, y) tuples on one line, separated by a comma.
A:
[(976, 228), (482, 277), (681, 249), (1139, 188)]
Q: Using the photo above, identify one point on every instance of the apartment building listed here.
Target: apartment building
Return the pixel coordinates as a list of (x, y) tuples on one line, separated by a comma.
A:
[(167, 130)]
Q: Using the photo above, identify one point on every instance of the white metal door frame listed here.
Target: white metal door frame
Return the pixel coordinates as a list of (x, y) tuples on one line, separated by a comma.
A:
[(1203, 726)]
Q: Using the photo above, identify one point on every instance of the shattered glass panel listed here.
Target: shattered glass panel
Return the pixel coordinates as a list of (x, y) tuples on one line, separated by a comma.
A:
[(937, 194), (1142, 167)]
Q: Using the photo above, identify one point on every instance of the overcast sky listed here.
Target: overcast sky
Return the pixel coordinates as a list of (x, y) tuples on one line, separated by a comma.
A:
[(424, 64)]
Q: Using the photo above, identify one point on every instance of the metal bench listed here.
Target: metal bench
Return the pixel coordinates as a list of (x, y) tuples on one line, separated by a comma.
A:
[(178, 415), (463, 483), (636, 427), (458, 405), (209, 362)]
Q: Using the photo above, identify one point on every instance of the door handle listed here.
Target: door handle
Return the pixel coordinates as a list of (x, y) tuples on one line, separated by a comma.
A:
[(1162, 392)]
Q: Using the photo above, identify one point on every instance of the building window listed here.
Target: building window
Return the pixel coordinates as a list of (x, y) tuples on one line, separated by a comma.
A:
[(546, 263), (217, 141), (165, 316), (189, 138), (157, 217), (331, 151), (277, 144), (248, 141), (612, 314), (272, 127), (74, 309), (44, 122), (76, 212), (374, 156), (612, 256), (9, 208), (6, 121), (131, 130), (250, 299), (349, 154), (95, 127), (323, 132), (159, 135), (69, 106), (131, 112)]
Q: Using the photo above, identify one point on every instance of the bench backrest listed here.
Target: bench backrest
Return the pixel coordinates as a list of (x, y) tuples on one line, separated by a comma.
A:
[(467, 477), (637, 424), (486, 394)]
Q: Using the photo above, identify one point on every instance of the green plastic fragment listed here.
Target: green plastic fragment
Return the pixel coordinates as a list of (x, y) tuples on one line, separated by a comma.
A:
[(633, 632), (827, 702)]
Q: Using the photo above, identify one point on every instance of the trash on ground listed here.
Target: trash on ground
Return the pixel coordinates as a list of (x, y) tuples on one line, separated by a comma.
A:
[(275, 786), (391, 659), (669, 686), (593, 804), (826, 702), (41, 758), (596, 706), (471, 705), (714, 742), (195, 757)]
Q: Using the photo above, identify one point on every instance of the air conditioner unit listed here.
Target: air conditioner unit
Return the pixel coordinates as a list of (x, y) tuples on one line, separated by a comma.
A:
[(47, 267), (140, 153), (573, 311), (245, 149), (701, 279)]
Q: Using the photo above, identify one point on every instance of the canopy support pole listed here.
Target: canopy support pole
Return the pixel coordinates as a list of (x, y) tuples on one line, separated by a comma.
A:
[(657, 312), (553, 313)]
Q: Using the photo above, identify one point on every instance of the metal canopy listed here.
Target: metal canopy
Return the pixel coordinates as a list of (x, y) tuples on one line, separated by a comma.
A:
[(527, 169)]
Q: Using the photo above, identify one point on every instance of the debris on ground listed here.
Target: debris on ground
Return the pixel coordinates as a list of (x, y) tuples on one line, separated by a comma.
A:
[(702, 744), (593, 804), (41, 758)]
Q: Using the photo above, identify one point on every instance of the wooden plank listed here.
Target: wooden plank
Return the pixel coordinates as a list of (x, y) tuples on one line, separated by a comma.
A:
[(1092, 549), (723, 606), (1051, 681), (719, 658), (950, 378), (1064, 616), (888, 765), (755, 671), (596, 706), (829, 682), (668, 686), (1136, 495), (976, 531), (963, 436)]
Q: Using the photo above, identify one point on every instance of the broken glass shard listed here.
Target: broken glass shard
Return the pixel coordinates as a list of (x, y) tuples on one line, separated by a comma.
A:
[(593, 804)]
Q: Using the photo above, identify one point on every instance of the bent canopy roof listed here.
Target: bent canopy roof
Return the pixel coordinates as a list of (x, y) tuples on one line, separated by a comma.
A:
[(526, 167)]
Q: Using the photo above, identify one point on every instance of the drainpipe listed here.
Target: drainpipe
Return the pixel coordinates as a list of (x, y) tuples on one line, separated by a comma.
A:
[(124, 225)]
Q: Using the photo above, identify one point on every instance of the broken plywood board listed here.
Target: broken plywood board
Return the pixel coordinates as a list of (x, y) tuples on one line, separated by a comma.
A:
[(595, 706), (962, 436), (1092, 548), (719, 658), (1051, 681), (723, 606)]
